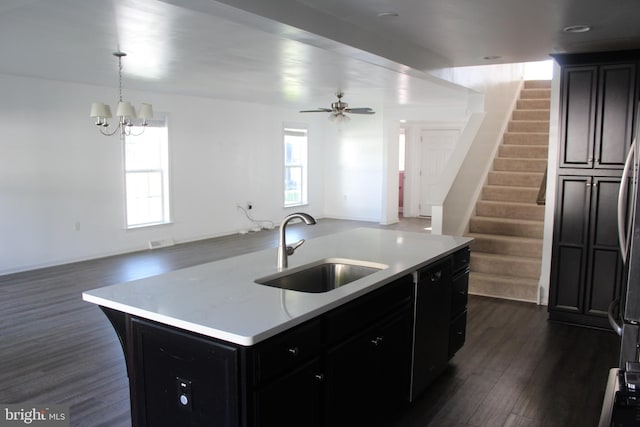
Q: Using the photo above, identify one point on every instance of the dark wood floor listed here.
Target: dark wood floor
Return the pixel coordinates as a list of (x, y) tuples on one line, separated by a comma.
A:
[(516, 369)]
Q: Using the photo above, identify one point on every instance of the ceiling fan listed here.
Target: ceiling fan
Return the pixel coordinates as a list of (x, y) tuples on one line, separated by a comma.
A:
[(339, 108)]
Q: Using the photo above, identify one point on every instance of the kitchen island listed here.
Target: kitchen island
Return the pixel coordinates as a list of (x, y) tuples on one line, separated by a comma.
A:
[(206, 345)]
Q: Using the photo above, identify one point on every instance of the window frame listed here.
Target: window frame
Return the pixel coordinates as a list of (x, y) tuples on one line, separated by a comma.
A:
[(296, 129), (162, 121)]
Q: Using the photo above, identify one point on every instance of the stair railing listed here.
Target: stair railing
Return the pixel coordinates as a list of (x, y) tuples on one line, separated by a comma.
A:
[(542, 192)]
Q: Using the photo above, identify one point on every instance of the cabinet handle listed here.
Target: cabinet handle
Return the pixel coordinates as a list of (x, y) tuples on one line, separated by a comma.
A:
[(319, 377), (436, 276), (294, 351), (377, 341)]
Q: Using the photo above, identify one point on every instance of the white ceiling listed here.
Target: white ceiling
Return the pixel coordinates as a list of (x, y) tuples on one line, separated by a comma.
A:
[(296, 53)]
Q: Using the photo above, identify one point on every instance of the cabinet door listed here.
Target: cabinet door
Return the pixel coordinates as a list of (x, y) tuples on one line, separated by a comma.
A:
[(604, 275), (350, 381), (182, 379), (614, 124), (293, 400), (597, 115), (394, 365), (579, 85), (570, 243), (586, 267), (367, 377)]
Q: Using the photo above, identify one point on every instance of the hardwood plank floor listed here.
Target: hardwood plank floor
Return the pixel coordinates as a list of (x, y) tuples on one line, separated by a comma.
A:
[(516, 369)]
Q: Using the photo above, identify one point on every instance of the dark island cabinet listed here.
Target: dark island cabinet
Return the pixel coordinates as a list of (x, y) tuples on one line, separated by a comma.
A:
[(368, 376), (459, 296), (338, 369), (586, 262), (293, 400), (598, 99)]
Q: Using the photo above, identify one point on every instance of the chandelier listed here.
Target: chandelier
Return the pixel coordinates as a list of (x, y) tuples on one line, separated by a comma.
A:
[(125, 111)]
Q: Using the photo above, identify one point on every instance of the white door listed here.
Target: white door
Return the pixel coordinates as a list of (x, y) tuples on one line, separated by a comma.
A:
[(436, 147)]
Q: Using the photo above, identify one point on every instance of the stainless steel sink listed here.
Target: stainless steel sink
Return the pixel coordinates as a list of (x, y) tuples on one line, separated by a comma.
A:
[(321, 276)]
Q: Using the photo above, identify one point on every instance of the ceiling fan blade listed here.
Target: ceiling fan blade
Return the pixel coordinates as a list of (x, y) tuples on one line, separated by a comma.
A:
[(359, 111), (319, 110)]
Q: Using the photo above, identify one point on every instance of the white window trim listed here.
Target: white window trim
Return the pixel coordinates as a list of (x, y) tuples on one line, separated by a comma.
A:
[(161, 119)]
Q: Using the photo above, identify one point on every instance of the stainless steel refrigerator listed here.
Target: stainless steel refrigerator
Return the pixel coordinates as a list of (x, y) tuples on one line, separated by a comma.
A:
[(624, 313)]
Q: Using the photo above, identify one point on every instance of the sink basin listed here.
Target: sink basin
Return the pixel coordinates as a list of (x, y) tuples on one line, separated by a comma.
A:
[(321, 276)]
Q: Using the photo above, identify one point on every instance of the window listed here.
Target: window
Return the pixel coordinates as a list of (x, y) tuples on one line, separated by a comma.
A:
[(147, 175), (295, 166)]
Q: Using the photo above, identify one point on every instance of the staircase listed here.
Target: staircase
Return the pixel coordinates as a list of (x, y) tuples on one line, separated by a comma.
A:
[(508, 223)]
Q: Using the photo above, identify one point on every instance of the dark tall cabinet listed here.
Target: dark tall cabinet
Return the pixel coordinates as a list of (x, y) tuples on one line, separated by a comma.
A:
[(599, 95)]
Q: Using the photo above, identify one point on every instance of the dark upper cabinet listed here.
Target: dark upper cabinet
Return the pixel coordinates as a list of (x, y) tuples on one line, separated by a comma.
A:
[(598, 98), (586, 264), (578, 116), (597, 115)]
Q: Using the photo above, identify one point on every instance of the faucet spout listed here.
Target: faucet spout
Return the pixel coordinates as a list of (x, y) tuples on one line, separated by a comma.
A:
[(283, 250)]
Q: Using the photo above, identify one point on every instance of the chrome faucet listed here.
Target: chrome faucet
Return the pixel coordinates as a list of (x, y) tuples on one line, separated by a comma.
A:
[(283, 250)]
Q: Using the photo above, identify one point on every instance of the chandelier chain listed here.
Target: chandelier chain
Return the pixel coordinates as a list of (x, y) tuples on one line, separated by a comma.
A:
[(120, 76)]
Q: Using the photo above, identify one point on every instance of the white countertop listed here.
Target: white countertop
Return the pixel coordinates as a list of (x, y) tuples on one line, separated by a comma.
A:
[(221, 300)]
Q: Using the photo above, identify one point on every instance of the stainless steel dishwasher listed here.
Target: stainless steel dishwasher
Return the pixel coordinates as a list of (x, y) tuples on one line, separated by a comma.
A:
[(431, 325)]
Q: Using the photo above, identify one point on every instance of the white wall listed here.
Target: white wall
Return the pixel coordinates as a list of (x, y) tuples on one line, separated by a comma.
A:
[(500, 85), (550, 197), (354, 169), (56, 171)]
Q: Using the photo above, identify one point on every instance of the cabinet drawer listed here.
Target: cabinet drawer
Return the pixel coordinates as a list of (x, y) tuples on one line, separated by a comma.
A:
[(461, 259), (353, 317), (459, 292), (457, 333), (287, 350)]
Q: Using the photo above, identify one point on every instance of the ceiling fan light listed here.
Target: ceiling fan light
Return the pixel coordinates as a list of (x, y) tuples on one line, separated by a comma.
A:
[(339, 117)]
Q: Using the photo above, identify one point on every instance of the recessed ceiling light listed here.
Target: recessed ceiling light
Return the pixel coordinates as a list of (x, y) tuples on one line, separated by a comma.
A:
[(577, 29), (388, 15), (491, 57)]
